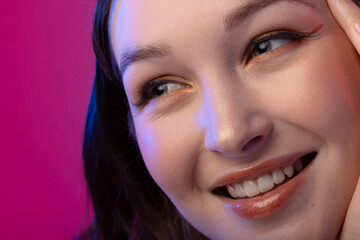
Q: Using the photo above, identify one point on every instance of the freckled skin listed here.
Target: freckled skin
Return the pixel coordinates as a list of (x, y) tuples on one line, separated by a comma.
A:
[(302, 96)]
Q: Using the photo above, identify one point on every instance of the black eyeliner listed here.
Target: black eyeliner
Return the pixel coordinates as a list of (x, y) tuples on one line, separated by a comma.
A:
[(280, 34)]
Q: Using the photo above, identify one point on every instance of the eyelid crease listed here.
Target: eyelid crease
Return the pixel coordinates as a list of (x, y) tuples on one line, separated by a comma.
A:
[(277, 34)]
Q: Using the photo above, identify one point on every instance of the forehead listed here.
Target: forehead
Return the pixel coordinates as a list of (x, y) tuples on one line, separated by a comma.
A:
[(148, 21), (140, 22)]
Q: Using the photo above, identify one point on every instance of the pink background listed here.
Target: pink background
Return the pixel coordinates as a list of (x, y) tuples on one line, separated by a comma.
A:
[(46, 75)]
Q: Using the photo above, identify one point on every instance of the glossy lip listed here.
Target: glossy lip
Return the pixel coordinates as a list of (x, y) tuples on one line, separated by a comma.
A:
[(253, 172), (273, 201)]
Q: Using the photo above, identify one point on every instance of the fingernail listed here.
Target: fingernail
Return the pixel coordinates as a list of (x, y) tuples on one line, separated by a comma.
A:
[(357, 27)]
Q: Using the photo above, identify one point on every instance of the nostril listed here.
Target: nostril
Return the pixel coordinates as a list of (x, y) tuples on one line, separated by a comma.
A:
[(251, 143)]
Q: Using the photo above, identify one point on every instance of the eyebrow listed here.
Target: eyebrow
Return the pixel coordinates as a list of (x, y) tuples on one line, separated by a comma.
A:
[(137, 53), (234, 17), (230, 21)]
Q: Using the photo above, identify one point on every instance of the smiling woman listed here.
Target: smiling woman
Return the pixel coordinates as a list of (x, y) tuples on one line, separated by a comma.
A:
[(227, 119)]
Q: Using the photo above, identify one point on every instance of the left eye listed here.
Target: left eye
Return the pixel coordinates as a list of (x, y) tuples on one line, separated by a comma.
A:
[(270, 41), (269, 45)]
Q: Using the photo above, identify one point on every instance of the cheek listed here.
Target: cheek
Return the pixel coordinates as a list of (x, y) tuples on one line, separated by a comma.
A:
[(168, 147), (325, 103), (321, 95)]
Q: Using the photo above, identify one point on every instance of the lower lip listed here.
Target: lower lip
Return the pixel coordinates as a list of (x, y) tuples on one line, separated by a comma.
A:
[(272, 202)]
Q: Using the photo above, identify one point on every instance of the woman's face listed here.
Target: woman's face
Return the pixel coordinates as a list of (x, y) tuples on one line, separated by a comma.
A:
[(228, 96)]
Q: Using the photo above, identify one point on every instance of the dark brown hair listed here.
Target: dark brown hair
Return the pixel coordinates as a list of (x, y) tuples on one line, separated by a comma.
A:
[(127, 202)]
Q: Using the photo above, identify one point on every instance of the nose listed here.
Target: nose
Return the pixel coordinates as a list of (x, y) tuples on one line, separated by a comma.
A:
[(233, 122)]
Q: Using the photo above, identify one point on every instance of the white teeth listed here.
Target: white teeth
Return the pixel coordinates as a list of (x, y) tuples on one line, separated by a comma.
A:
[(236, 190), (298, 165), (231, 190), (289, 170), (251, 188), (265, 183), (278, 176), (240, 190)]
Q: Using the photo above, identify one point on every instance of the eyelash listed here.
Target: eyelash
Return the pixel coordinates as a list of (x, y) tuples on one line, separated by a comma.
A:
[(275, 35), (145, 92)]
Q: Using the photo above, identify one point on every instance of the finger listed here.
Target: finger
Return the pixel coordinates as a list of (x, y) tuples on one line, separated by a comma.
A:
[(347, 14), (351, 228)]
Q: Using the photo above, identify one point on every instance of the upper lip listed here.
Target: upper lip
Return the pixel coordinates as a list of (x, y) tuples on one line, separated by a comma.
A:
[(258, 170)]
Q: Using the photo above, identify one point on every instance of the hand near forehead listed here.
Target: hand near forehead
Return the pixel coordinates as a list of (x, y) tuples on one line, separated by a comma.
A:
[(347, 14)]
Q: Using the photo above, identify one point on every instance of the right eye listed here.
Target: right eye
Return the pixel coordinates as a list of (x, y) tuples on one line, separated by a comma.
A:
[(164, 88), (156, 89)]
